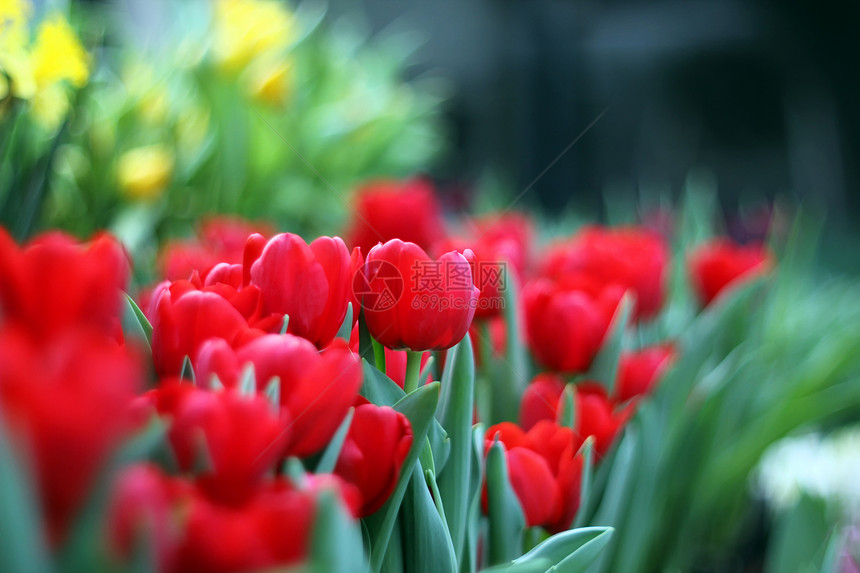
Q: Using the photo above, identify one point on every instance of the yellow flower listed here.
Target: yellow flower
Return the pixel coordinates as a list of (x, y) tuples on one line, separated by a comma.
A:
[(14, 16), (247, 29), (272, 82), (144, 172), (14, 41), (58, 55)]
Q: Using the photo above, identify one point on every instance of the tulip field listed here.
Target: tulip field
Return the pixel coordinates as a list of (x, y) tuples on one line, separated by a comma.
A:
[(240, 332)]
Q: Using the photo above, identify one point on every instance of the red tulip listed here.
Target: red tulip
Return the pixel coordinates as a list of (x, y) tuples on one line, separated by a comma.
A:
[(545, 470), (221, 240), (66, 406), (596, 416), (622, 258), (309, 283), (721, 264), (534, 484), (405, 210), (317, 389), (540, 400), (411, 301), (242, 437), (640, 371), (143, 509), (566, 327), (55, 284), (373, 453), (183, 318)]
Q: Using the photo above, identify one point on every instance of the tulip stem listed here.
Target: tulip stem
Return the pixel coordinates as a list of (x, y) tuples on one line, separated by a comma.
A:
[(413, 370)]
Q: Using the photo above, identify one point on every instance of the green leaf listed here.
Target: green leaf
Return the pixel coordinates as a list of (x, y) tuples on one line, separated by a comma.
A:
[(567, 407), (418, 407), (616, 497), (426, 540), (440, 445), (134, 322), (248, 381), (800, 537), (586, 483), (533, 566), (332, 451), (336, 545), (511, 373), (379, 388), (23, 547), (345, 330), (506, 518), (455, 411), (571, 551), (187, 371), (468, 561), (273, 392), (427, 369), (605, 366)]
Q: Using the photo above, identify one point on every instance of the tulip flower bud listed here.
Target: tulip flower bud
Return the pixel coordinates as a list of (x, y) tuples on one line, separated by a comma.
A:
[(412, 301), (721, 263)]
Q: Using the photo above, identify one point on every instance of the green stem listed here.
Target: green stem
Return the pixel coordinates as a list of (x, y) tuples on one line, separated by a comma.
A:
[(413, 370)]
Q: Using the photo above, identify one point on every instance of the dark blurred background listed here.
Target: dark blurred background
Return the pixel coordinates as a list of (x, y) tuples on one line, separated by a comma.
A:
[(761, 93)]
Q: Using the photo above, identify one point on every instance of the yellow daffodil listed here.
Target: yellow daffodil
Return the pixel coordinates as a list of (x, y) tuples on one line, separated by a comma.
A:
[(144, 172), (58, 54), (271, 82), (248, 29)]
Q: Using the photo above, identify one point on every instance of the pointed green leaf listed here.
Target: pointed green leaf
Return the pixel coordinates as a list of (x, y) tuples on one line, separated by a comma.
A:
[(455, 411), (336, 545), (134, 322), (345, 330), (506, 518), (605, 366), (468, 563), (567, 407), (248, 380), (379, 388), (586, 482), (564, 548), (418, 407), (187, 372), (427, 369), (22, 544), (332, 452), (426, 540), (273, 391)]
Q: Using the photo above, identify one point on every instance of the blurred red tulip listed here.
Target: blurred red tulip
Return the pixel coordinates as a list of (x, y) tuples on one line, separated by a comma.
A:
[(721, 264), (545, 471), (388, 209), (412, 301), (540, 400), (309, 283), (640, 371), (376, 445), (183, 318), (317, 388), (621, 258), (242, 437), (66, 405), (566, 327), (55, 283), (596, 415), (221, 240)]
